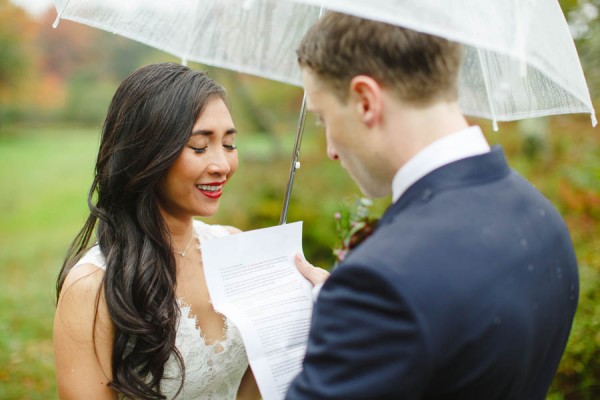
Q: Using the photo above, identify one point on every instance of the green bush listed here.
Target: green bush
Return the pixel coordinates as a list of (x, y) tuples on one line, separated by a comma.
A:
[(579, 371), (88, 99)]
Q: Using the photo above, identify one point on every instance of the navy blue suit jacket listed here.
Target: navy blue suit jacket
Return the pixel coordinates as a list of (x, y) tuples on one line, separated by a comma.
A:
[(466, 290)]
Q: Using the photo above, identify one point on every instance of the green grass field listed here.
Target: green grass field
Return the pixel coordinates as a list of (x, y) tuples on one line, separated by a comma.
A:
[(42, 203), (45, 176)]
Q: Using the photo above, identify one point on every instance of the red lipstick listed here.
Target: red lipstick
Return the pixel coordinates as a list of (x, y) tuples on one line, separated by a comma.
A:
[(211, 194)]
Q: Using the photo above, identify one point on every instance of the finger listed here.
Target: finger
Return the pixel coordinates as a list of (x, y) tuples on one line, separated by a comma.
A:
[(302, 263), (314, 274)]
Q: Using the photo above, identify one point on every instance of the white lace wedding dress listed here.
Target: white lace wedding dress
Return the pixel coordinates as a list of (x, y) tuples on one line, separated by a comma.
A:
[(211, 371)]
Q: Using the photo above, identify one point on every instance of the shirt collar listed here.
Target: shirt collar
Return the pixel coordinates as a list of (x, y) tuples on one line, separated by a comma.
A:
[(465, 143)]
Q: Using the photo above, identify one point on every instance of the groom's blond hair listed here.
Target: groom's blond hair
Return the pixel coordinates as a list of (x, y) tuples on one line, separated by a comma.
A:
[(418, 67)]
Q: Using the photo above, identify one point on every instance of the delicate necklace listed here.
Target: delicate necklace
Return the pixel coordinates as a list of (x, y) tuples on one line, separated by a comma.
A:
[(184, 252)]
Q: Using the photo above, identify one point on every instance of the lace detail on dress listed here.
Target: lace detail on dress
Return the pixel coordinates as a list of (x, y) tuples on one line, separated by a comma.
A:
[(212, 371)]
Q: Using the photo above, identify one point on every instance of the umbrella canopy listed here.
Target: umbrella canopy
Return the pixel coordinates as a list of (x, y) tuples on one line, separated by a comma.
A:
[(520, 58)]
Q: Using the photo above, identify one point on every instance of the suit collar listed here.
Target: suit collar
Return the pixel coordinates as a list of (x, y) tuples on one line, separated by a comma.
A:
[(464, 143), (477, 169)]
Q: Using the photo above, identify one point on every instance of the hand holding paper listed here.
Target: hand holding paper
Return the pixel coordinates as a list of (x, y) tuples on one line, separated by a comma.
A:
[(253, 280), (317, 276)]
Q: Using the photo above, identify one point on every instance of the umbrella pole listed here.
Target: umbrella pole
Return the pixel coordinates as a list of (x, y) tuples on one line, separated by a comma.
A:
[(296, 155), (295, 163)]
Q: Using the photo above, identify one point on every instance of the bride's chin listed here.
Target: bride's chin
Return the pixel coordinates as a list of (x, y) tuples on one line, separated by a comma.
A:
[(208, 211)]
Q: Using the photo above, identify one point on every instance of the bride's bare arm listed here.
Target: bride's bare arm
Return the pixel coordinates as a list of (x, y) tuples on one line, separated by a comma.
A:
[(83, 338)]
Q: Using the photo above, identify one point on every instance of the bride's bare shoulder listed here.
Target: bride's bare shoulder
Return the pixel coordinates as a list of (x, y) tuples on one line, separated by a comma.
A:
[(83, 336), (82, 280)]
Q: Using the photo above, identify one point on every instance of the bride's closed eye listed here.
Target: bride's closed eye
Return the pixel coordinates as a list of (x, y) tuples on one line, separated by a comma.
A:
[(199, 150)]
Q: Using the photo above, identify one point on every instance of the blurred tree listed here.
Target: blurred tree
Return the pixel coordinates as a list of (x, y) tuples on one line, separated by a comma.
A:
[(73, 47), (88, 64), (67, 48), (586, 18), (583, 17), (17, 58), (579, 199)]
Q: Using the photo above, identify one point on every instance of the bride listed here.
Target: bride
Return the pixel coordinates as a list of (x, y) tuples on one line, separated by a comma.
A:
[(134, 318)]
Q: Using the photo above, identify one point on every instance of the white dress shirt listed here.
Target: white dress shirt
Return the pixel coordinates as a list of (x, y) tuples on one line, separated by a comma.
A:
[(465, 143)]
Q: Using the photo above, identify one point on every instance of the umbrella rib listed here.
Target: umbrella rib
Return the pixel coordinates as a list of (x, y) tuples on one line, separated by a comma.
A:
[(190, 38), (488, 89), (59, 15)]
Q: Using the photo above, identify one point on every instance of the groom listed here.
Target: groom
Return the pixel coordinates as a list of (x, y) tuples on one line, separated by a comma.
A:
[(468, 287)]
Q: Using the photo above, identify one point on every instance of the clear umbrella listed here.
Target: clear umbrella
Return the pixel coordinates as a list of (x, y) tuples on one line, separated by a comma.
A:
[(520, 59)]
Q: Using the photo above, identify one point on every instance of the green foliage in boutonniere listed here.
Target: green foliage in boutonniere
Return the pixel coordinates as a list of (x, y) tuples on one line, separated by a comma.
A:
[(353, 225)]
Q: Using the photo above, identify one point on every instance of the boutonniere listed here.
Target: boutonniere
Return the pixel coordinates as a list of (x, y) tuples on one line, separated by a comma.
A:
[(353, 225)]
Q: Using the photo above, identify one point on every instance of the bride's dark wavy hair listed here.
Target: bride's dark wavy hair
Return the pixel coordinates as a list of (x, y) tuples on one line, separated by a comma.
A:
[(149, 121)]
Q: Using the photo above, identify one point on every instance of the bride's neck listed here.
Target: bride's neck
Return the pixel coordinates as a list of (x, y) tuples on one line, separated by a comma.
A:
[(180, 230)]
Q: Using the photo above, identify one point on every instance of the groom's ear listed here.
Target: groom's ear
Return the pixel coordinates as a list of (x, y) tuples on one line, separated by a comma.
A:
[(366, 94)]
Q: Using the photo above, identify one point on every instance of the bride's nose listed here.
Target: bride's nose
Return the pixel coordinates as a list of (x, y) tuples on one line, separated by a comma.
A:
[(219, 164)]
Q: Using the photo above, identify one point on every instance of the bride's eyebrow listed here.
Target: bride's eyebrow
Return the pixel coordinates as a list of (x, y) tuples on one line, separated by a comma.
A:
[(207, 132)]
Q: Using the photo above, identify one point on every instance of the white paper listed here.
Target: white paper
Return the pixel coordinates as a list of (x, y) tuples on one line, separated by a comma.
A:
[(252, 280)]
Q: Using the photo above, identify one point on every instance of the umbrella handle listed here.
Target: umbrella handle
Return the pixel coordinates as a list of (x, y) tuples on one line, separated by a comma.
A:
[(295, 163)]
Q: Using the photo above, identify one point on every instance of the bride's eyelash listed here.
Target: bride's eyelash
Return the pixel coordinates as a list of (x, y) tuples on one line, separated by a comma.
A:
[(199, 150)]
